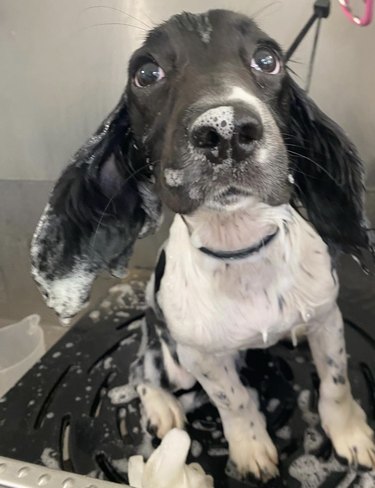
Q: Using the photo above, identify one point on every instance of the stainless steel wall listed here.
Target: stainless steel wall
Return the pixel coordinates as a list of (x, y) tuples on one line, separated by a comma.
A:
[(63, 67)]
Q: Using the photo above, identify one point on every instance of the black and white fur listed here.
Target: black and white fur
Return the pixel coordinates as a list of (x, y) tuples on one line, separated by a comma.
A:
[(239, 153)]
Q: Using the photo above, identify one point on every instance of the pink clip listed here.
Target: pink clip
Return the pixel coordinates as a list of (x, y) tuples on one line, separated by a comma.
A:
[(361, 21)]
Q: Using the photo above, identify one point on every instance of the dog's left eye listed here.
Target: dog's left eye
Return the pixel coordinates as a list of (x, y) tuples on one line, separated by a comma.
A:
[(148, 74), (266, 60)]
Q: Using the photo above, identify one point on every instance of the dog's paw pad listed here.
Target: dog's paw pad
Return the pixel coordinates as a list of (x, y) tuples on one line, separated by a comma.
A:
[(162, 410)]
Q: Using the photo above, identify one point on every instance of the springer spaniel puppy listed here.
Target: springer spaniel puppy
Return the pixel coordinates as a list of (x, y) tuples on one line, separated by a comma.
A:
[(266, 191)]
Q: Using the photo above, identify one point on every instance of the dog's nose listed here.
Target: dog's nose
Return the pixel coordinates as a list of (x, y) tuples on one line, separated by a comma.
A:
[(222, 128)]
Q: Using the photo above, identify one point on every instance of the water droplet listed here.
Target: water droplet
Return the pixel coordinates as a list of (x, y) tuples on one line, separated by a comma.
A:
[(294, 337), (307, 315), (265, 336)]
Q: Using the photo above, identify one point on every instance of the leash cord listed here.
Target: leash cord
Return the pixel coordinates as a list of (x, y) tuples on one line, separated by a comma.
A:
[(312, 57)]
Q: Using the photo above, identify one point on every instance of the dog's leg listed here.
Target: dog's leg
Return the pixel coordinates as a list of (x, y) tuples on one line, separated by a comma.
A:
[(250, 446), (157, 371), (342, 418), (162, 409)]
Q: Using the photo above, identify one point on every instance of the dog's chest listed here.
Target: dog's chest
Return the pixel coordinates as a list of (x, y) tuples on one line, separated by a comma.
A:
[(246, 304), (205, 316)]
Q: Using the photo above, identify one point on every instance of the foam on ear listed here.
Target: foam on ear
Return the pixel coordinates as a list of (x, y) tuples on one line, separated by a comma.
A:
[(102, 203)]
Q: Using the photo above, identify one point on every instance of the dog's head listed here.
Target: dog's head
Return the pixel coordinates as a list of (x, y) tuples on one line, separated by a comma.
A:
[(210, 117), (207, 103)]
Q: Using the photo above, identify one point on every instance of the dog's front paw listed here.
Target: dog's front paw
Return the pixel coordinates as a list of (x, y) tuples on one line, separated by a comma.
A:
[(163, 411), (345, 424), (254, 454)]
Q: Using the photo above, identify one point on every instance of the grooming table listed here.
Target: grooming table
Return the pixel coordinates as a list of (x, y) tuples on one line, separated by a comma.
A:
[(74, 412)]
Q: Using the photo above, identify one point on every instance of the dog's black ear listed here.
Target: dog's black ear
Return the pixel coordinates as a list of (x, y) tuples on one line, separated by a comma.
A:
[(100, 205), (328, 174)]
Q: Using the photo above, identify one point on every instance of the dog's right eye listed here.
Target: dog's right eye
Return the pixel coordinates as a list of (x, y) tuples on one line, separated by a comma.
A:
[(148, 74)]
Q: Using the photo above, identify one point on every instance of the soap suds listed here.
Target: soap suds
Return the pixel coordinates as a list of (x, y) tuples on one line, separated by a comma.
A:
[(311, 418), (122, 394), (284, 433), (94, 315), (273, 404), (49, 458), (196, 449), (217, 451), (312, 440), (174, 177)]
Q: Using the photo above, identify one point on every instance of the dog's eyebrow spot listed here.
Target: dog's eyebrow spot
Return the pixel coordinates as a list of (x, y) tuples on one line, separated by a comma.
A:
[(173, 177), (200, 23), (205, 29)]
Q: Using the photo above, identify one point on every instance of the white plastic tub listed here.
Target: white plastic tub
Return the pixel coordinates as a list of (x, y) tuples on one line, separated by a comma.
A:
[(21, 346)]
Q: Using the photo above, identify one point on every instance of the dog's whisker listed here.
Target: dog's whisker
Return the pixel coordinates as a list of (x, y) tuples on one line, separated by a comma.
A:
[(299, 171), (290, 70), (153, 23), (297, 186), (295, 61), (116, 23), (263, 9), (93, 7), (299, 146), (317, 165)]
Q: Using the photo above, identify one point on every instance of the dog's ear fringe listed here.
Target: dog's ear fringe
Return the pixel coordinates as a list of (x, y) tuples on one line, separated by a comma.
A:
[(90, 223), (329, 178)]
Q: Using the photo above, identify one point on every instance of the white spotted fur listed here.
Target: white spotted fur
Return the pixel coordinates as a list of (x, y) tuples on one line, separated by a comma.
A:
[(225, 307), (214, 309)]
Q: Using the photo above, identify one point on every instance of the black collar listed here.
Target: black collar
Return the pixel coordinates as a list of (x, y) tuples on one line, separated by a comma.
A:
[(241, 253)]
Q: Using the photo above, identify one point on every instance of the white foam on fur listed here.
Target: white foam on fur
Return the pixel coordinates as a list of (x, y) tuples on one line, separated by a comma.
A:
[(50, 458), (122, 394), (219, 118), (174, 177), (284, 433)]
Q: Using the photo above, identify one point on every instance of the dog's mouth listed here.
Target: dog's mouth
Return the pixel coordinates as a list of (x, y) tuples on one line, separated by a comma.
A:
[(229, 196)]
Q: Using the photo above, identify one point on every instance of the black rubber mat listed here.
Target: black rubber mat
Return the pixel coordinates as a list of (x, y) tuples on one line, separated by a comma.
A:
[(73, 412)]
